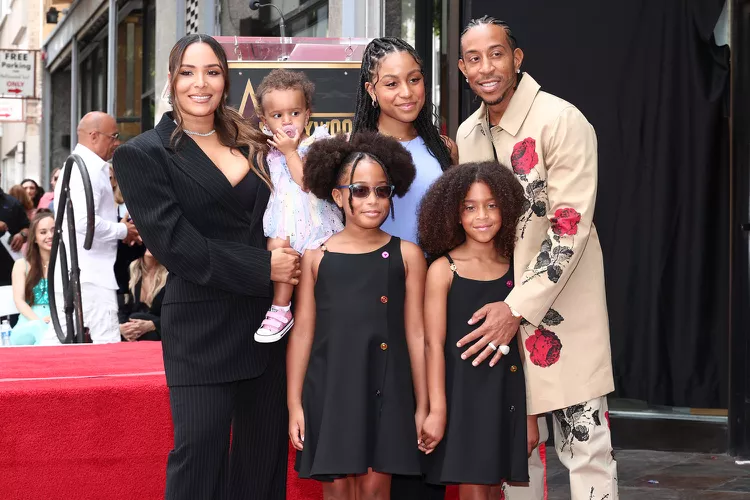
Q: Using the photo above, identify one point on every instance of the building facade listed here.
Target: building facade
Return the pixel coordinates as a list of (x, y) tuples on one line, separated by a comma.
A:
[(96, 60), (21, 29)]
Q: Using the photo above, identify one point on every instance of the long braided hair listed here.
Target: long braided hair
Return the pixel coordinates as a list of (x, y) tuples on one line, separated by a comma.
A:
[(366, 115)]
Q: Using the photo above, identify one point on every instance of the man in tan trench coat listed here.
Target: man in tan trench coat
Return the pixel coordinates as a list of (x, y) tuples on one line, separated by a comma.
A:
[(558, 304)]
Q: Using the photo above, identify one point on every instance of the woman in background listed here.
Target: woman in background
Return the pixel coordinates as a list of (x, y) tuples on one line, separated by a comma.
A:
[(34, 190), (19, 193), (29, 281), (140, 317)]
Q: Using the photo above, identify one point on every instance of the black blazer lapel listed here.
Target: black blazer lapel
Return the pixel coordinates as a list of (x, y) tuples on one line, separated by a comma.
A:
[(191, 159)]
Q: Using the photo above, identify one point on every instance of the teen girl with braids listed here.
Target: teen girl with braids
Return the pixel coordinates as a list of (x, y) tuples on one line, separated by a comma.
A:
[(355, 359), (392, 99), (293, 218)]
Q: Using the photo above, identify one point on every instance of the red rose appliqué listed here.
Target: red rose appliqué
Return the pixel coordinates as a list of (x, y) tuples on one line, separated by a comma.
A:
[(524, 157), (565, 221), (544, 347), (606, 415)]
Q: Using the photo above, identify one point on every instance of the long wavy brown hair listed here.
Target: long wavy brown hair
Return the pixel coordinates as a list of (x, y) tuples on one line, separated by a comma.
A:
[(34, 257), (19, 193), (232, 129)]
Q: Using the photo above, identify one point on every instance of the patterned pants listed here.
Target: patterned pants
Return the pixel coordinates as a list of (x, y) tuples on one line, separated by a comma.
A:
[(584, 445)]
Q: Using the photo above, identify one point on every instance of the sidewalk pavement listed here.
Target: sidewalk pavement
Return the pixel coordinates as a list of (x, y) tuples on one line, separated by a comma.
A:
[(646, 475)]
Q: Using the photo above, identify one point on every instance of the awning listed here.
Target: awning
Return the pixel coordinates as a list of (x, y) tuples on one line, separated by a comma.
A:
[(77, 17)]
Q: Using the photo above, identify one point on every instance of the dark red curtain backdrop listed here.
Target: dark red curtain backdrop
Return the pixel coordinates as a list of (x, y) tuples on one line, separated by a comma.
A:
[(651, 80)]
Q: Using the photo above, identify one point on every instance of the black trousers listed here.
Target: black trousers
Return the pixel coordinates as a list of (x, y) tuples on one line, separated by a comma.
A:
[(414, 488), (203, 465)]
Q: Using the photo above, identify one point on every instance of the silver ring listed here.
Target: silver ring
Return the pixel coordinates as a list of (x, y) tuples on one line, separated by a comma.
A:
[(492, 346)]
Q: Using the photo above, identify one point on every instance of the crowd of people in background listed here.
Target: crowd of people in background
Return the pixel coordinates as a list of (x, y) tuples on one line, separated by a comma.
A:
[(122, 284), (402, 306)]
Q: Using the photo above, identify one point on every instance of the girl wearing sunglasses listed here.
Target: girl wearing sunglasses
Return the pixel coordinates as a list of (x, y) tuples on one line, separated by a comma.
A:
[(476, 431), (355, 360)]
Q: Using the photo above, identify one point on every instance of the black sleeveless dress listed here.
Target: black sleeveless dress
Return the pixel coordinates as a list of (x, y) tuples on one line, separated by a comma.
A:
[(357, 396), (485, 435)]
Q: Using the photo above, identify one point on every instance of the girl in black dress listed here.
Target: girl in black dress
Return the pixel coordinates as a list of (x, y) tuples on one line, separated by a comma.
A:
[(355, 361), (476, 431)]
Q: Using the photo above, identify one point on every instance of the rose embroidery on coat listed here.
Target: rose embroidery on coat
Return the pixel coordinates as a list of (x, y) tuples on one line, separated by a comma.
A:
[(524, 157), (535, 202), (565, 221), (544, 347), (553, 255), (556, 251)]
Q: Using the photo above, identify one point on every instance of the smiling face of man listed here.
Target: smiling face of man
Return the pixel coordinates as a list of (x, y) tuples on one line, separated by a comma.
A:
[(490, 62)]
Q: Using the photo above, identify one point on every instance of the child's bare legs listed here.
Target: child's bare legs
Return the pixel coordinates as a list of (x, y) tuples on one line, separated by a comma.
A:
[(373, 486), (370, 486), (479, 492), (340, 489), (279, 318), (282, 292)]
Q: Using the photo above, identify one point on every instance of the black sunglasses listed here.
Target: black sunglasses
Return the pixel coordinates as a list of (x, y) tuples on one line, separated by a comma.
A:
[(362, 191)]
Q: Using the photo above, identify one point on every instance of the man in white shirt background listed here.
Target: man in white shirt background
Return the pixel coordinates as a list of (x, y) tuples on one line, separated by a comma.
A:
[(97, 139)]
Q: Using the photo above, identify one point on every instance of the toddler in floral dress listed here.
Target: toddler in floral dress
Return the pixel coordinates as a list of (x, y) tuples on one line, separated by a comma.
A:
[(294, 217)]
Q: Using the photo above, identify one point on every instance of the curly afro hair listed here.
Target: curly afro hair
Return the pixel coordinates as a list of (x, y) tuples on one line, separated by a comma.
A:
[(283, 79), (439, 216), (332, 162)]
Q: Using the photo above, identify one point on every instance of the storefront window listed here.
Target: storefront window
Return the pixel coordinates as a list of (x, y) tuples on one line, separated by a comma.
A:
[(129, 74), (424, 25), (92, 83)]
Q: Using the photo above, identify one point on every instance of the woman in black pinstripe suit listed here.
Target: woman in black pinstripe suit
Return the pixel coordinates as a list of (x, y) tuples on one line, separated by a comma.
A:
[(196, 187)]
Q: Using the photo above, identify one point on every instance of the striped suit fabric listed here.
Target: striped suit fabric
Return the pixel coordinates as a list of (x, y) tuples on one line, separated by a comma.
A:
[(216, 296)]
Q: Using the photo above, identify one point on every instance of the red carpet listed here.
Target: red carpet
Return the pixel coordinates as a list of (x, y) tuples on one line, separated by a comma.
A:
[(91, 422)]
